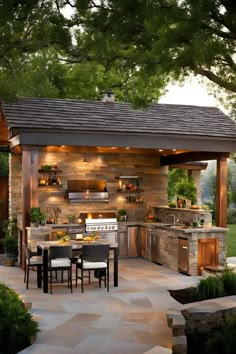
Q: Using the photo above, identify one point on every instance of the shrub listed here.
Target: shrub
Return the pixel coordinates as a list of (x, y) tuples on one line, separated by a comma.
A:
[(17, 327), (228, 279), (10, 244), (231, 216), (210, 288), (223, 339)]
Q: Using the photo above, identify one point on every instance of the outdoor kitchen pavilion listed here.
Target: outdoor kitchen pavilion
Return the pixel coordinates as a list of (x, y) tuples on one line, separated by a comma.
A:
[(174, 134)]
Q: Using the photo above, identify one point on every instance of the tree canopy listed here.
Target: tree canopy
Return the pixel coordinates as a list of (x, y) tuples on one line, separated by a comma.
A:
[(168, 39), (133, 47)]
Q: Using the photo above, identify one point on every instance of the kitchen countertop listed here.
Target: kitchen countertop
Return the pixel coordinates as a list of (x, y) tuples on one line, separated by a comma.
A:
[(161, 225)]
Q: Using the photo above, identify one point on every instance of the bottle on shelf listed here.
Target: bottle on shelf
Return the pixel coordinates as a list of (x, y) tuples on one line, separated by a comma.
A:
[(54, 179)]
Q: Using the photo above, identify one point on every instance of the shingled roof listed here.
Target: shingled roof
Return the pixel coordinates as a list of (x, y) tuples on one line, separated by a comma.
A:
[(43, 121), (79, 115)]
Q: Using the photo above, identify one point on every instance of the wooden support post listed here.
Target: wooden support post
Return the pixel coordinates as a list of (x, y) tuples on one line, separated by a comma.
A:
[(29, 189), (221, 192)]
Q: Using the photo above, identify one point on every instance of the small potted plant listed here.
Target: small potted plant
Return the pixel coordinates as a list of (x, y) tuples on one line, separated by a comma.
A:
[(10, 241), (11, 247), (37, 217), (122, 215), (187, 190)]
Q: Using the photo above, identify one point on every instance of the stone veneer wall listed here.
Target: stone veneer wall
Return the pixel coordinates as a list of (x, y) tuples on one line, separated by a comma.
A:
[(182, 215), (15, 185), (196, 174), (101, 167)]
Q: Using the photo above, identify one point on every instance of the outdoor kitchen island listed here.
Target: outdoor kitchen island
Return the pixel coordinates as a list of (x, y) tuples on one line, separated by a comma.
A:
[(185, 249)]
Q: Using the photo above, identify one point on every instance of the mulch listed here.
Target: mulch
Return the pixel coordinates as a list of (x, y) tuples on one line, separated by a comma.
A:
[(184, 296)]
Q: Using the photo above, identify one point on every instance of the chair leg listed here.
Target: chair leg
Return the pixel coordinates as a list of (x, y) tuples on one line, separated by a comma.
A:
[(76, 276), (82, 280), (70, 271), (51, 281), (107, 277), (27, 277)]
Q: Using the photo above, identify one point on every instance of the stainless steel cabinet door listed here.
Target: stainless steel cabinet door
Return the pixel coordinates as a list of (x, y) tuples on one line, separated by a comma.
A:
[(154, 249), (133, 242), (183, 255), (123, 243), (143, 241)]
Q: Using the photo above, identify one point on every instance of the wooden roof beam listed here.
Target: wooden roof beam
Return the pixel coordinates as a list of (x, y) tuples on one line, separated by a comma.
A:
[(191, 157), (191, 165)]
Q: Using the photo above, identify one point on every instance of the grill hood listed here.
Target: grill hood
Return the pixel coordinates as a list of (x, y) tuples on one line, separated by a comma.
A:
[(80, 191)]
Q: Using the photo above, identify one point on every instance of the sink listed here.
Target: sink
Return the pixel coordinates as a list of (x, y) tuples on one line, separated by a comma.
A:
[(179, 227)]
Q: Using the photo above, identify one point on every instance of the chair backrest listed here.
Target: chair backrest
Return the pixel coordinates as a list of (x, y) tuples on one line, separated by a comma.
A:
[(27, 252), (60, 251), (95, 253)]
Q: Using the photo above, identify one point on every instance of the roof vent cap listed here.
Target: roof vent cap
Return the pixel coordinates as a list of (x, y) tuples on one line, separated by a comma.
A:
[(108, 97)]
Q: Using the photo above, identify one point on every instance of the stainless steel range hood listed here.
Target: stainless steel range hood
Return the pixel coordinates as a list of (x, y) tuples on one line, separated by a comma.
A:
[(80, 191)]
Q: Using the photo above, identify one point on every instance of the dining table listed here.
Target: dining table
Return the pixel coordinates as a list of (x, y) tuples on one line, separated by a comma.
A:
[(43, 248)]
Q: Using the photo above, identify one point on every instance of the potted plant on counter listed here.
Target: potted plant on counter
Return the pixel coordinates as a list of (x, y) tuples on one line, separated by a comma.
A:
[(37, 217), (122, 215), (187, 190)]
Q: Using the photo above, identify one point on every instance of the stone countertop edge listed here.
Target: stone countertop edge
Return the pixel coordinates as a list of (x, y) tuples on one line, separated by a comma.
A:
[(162, 225)]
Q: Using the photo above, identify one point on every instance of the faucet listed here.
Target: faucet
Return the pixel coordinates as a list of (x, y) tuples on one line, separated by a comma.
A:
[(173, 218)]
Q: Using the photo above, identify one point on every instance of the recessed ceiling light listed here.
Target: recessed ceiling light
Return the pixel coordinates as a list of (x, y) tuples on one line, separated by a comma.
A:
[(127, 148), (160, 150), (173, 149)]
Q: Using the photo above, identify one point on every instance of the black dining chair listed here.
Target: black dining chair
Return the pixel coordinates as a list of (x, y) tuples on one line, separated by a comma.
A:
[(31, 262), (94, 257), (60, 260)]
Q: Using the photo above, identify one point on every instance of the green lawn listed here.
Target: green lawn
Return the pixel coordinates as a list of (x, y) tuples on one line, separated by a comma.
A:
[(231, 241)]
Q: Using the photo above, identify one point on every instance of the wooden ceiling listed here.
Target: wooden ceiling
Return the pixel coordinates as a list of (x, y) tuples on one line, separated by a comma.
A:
[(112, 149)]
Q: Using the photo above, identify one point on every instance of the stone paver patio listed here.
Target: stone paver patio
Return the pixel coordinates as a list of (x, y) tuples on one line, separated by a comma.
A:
[(129, 319)]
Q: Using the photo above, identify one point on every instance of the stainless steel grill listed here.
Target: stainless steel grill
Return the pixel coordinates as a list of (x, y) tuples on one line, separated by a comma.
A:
[(104, 221)]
